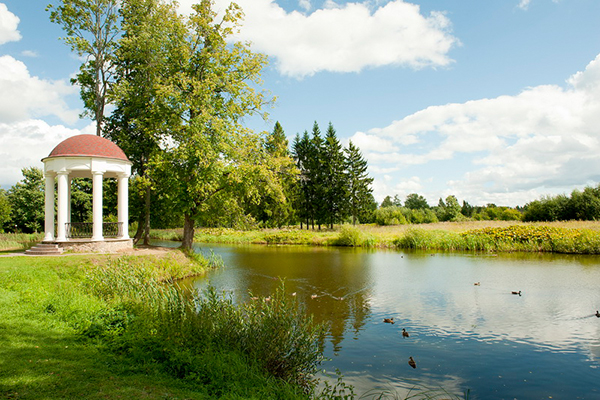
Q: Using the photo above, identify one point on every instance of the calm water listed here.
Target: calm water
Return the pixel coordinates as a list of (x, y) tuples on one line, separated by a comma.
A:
[(543, 344)]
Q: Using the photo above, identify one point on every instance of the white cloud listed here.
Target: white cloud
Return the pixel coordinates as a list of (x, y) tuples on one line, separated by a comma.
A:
[(305, 4), (545, 138), (8, 25), (524, 4), (25, 96), (24, 144), (29, 53), (345, 38)]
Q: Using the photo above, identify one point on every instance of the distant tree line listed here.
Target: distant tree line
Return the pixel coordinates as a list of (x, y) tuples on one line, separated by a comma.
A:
[(416, 210), (581, 205)]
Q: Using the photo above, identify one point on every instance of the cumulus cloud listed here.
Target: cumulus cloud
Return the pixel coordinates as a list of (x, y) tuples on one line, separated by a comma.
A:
[(344, 38), (544, 138), (25, 96), (8, 25), (524, 4), (24, 144)]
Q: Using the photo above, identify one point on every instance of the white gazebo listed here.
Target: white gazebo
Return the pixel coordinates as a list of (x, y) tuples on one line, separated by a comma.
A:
[(86, 156)]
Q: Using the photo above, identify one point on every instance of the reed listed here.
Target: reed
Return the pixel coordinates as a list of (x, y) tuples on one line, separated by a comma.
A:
[(275, 334)]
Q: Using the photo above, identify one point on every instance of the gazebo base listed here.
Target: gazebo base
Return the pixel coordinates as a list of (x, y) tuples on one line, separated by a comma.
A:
[(89, 246)]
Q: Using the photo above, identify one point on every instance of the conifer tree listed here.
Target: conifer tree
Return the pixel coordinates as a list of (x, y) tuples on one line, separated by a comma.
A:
[(358, 183), (301, 151), (317, 175), (334, 182)]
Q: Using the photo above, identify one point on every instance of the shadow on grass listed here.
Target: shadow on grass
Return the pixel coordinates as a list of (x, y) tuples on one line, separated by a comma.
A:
[(39, 360)]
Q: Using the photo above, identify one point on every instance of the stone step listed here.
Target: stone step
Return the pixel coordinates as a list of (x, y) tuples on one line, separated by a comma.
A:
[(44, 249)]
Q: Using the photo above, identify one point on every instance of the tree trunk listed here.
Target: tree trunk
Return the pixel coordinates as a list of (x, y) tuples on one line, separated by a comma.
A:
[(140, 228), (188, 233)]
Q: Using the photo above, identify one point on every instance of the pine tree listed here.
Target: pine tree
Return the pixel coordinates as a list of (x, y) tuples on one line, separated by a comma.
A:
[(317, 175), (334, 182), (300, 152), (358, 182)]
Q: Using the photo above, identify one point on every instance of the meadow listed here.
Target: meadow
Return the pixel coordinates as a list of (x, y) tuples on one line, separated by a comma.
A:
[(576, 237), (92, 326)]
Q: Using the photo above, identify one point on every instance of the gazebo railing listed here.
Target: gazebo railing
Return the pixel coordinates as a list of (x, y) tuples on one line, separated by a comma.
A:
[(85, 229)]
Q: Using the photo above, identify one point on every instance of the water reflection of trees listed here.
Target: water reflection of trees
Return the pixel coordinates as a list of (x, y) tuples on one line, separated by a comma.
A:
[(334, 286)]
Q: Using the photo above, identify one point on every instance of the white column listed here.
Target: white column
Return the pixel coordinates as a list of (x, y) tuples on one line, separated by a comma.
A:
[(49, 208), (69, 201), (123, 204), (97, 205), (61, 218)]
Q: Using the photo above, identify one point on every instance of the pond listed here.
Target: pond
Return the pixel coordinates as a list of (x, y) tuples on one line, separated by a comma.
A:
[(542, 344)]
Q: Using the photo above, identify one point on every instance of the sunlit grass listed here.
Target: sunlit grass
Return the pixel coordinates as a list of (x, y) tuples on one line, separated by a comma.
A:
[(446, 236), (107, 327)]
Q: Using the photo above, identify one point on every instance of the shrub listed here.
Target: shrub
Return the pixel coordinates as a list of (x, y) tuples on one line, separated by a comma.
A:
[(389, 216), (349, 236)]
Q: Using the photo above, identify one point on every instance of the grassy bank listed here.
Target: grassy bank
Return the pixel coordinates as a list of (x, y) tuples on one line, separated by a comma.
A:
[(19, 241), (106, 327), (578, 237)]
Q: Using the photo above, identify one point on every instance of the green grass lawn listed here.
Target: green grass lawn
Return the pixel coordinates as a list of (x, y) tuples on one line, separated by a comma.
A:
[(48, 349), (42, 356)]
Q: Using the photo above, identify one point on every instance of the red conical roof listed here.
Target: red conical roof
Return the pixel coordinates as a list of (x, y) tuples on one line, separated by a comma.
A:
[(88, 146)]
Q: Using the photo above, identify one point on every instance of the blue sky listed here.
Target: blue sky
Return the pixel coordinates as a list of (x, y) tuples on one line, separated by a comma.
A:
[(492, 101)]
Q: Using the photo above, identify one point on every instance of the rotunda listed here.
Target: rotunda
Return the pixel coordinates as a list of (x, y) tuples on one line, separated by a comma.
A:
[(85, 156)]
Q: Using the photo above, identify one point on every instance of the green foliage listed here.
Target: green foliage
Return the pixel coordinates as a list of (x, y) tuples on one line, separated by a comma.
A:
[(277, 209), (19, 241), (175, 329), (83, 337), (579, 206), (350, 236), (92, 30), (5, 210), (207, 89), (390, 215), (389, 202), (415, 202), (359, 183), (334, 183), (27, 201), (449, 210), (401, 215), (430, 239), (492, 213)]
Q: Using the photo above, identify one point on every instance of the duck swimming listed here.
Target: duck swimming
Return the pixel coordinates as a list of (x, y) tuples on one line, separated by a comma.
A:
[(404, 333), (388, 320), (412, 362), (597, 314), (519, 292)]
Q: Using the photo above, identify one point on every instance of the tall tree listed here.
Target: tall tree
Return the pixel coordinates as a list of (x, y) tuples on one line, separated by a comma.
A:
[(208, 151), (301, 152), (415, 202), (92, 29), (272, 211), (334, 182), (316, 174), (145, 58), (359, 183)]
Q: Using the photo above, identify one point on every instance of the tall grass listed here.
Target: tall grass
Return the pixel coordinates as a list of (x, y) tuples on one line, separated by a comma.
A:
[(19, 241), (176, 329)]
